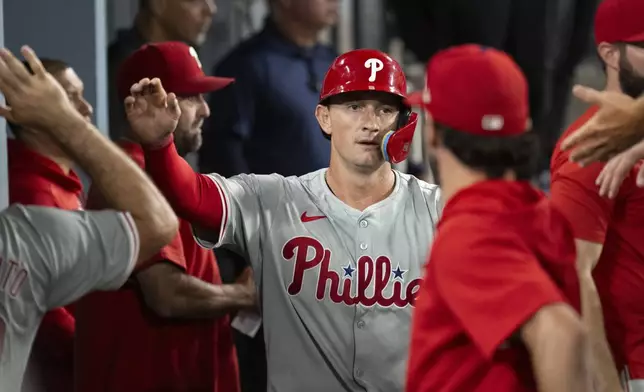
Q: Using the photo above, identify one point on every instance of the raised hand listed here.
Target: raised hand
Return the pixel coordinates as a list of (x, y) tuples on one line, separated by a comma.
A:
[(617, 169), (152, 113), (617, 126), (33, 100)]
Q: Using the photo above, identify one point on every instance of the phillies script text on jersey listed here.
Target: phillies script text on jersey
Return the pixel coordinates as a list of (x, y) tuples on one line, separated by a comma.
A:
[(338, 284), (377, 272)]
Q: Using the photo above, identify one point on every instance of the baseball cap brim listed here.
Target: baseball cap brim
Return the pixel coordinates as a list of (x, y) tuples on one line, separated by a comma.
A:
[(639, 37), (202, 85)]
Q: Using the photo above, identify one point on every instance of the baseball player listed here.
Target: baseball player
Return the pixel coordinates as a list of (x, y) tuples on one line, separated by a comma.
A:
[(50, 257), (498, 310), (180, 336), (337, 253), (608, 230)]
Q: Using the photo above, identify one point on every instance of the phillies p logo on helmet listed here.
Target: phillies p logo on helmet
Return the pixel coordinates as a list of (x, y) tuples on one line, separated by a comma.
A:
[(375, 65)]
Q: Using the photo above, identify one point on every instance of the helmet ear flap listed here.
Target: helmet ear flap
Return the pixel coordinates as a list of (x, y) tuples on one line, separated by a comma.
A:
[(395, 145)]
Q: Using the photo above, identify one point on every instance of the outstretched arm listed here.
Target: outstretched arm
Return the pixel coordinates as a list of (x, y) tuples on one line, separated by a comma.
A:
[(194, 197), (153, 116)]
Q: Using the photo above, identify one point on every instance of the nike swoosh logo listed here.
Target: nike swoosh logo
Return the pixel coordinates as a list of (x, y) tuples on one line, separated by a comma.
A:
[(305, 218)]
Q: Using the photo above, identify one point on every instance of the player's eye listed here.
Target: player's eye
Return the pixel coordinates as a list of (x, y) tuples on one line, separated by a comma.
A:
[(353, 106), (388, 110)]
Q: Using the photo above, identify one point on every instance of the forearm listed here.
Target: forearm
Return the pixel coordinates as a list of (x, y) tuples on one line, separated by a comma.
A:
[(605, 373), (193, 196), (121, 182), (561, 364), (194, 298)]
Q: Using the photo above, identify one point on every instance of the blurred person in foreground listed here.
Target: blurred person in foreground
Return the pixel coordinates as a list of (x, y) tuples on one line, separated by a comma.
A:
[(177, 311), (499, 309), (606, 222), (50, 257), (40, 173), (187, 21)]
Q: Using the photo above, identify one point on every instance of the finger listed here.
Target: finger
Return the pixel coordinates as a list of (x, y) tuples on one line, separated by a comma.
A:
[(158, 93), (6, 112), (640, 177), (139, 87), (603, 173), (129, 103), (604, 177), (173, 105), (587, 94), (590, 151), (583, 134), (8, 84), (618, 177), (16, 67), (34, 62)]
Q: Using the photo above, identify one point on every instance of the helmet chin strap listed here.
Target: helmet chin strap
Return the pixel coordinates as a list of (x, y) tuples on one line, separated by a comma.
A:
[(395, 145)]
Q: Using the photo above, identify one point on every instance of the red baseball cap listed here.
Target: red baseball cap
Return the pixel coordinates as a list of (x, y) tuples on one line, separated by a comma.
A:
[(174, 63), (477, 90), (619, 21)]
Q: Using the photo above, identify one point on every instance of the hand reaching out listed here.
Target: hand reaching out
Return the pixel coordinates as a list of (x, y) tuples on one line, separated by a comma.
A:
[(618, 125), (618, 168), (34, 100), (152, 113)]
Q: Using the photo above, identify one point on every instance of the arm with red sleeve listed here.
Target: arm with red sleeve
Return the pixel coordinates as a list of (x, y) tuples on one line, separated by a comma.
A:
[(496, 288), (195, 197), (574, 193), (170, 292)]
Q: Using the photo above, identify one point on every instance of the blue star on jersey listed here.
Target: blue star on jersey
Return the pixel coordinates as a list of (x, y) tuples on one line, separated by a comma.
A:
[(398, 273), (348, 271)]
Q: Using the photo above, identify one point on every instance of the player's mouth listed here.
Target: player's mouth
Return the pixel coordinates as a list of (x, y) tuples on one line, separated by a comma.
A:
[(372, 142)]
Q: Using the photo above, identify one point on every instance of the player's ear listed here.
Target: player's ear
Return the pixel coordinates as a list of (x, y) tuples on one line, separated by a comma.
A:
[(323, 114), (610, 54), (431, 136)]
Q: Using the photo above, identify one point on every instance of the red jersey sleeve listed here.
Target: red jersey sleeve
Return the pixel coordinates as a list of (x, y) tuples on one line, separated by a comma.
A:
[(491, 284), (173, 252), (194, 197), (574, 193)]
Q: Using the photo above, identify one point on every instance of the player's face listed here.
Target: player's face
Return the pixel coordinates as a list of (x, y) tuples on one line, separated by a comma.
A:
[(357, 123), (316, 13), (74, 87), (188, 20), (631, 69), (194, 110)]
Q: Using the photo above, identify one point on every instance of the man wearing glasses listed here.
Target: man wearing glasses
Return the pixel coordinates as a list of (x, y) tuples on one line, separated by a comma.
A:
[(607, 221)]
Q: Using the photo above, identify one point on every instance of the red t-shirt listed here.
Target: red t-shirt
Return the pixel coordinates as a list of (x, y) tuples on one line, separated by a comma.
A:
[(122, 346), (37, 180), (617, 223), (501, 253)]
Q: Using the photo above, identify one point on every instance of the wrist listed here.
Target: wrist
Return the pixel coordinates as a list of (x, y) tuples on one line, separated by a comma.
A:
[(158, 145)]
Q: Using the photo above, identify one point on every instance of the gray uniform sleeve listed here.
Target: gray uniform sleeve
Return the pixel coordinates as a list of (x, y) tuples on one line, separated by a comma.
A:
[(71, 253), (249, 203)]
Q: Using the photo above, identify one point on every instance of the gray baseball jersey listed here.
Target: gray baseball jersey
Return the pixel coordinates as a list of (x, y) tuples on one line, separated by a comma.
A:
[(337, 284), (49, 258)]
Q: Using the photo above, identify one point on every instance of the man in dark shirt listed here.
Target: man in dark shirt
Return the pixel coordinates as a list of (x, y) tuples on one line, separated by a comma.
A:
[(264, 122), (156, 21)]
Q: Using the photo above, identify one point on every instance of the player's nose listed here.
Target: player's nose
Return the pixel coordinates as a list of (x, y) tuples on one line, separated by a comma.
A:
[(370, 120)]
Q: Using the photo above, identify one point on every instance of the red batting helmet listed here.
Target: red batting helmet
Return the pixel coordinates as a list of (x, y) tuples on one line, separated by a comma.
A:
[(372, 70)]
